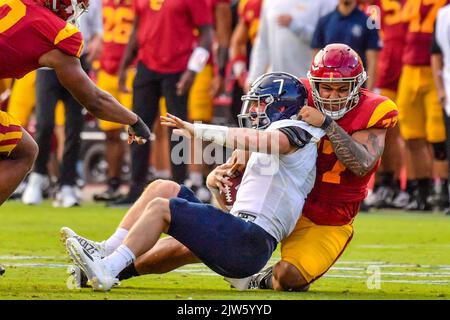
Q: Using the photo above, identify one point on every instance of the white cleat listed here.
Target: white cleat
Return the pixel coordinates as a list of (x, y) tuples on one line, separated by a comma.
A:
[(66, 197), (239, 284), (95, 249), (33, 194), (100, 278)]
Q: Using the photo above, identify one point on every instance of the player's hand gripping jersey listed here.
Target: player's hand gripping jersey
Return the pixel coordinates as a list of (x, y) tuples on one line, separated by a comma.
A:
[(27, 31)]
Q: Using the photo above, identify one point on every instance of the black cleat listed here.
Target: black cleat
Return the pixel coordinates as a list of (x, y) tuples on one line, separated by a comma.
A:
[(2, 270), (110, 194)]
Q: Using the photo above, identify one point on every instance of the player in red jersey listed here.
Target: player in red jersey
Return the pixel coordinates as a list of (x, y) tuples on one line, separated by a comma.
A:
[(355, 121), (34, 33), (118, 19)]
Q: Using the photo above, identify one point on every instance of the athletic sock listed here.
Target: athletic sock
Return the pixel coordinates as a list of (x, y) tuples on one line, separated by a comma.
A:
[(119, 259), (128, 272), (115, 240)]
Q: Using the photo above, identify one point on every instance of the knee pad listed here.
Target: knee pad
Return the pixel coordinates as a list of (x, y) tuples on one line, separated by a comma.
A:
[(440, 151)]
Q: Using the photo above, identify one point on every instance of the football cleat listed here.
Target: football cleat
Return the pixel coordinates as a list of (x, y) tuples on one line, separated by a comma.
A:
[(256, 281), (100, 277), (110, 194), (383, 197), (77, 278), (33, 193), (2, 270), (67, 197), (401, 200), (96, 249)]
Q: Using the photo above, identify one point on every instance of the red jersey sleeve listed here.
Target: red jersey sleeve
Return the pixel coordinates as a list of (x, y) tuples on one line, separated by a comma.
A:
[(64, 36), (384, 116), (69, 40)]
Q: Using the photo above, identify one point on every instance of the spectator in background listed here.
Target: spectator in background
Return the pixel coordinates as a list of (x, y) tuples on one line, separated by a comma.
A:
[(48, 91), (162, 38), (284, 36), (440, 64), (349, 25), (421, 116), (117, 21), (387, 191)]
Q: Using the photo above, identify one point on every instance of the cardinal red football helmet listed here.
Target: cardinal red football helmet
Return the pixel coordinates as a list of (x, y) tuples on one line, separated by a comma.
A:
[(336, 63), (68, 10)]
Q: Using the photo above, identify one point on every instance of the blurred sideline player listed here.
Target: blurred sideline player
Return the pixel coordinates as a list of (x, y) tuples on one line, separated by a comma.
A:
[(169, 56), (208, 84), (117, 24), (420, 113), (356, 124), (387, 191)]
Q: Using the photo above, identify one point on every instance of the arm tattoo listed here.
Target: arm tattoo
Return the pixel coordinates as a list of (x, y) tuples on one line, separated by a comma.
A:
[(358, 158)]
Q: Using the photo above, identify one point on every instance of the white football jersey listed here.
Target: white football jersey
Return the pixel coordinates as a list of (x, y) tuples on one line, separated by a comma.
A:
[(274, 187)]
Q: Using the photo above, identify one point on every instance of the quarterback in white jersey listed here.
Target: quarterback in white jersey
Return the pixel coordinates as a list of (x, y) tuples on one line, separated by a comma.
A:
[(283, 156)]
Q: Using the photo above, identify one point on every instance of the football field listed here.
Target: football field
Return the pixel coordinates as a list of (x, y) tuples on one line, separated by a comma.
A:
[(393, 255)]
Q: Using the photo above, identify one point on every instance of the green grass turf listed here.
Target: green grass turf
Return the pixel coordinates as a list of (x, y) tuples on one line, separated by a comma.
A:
[(412, 252)]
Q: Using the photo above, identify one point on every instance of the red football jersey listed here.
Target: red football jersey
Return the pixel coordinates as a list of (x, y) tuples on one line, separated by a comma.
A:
[(421, 15), (393, 30), (166, 31), (118, 19), (335, 185), (29, 30), (249, 11)]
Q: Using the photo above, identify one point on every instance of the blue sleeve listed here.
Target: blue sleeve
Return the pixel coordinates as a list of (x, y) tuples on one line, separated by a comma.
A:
[(318, 41), (373, 41)]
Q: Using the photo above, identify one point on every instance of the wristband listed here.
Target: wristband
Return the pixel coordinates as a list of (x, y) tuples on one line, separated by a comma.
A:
[(198, 59), (141, 129), (209, 132), (326, 122)]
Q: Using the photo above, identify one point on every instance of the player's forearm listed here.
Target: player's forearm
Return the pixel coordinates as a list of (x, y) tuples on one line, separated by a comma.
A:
[(98, 102), (106, 107), (354, 156), (241, 138), (253, 140)]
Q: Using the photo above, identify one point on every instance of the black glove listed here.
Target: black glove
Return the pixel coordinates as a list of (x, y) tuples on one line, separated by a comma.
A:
[(139, 130)]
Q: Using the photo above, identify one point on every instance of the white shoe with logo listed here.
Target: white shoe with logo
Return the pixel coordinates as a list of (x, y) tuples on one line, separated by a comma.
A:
[(100, 277), (96, 249)]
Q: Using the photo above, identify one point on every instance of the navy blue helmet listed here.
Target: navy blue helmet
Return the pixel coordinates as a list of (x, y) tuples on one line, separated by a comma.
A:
[(272, 97)]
